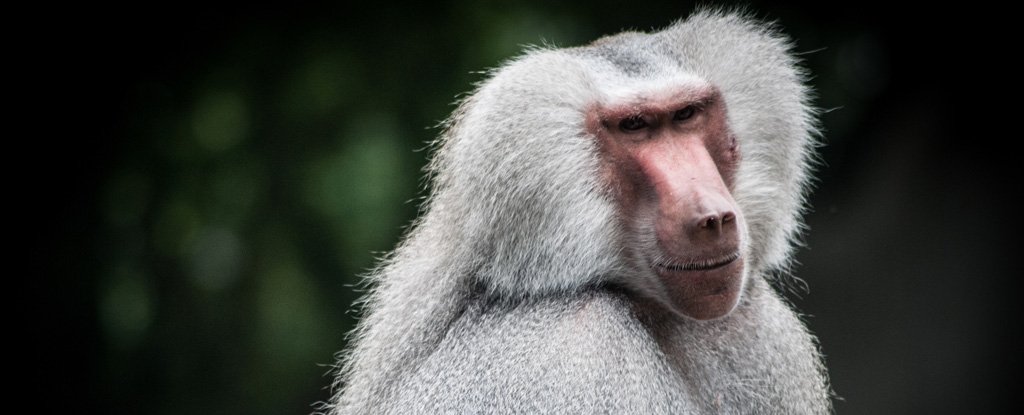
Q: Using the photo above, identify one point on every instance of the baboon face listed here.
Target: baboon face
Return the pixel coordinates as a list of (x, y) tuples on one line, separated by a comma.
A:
[(670, 162)]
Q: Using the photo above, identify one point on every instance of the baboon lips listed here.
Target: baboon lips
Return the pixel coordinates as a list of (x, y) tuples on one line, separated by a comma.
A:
[(702, 264)]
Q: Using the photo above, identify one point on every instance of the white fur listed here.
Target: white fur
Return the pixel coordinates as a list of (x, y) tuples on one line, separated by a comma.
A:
[(518, 218)]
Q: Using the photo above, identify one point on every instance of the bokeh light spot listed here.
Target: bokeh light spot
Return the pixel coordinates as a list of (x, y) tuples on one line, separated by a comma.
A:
[(359, 188), (321, 85), (220, 120), (125, 307), (216, 258), (176, 226)]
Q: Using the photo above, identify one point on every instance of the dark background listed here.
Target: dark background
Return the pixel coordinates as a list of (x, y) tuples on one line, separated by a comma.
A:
[(208, 183)]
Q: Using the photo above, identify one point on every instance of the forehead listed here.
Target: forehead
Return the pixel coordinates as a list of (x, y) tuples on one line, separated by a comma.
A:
[(632, 67), (665, 82)]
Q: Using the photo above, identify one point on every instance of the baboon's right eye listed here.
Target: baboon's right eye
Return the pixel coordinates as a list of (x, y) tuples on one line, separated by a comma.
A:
[(632, 124)]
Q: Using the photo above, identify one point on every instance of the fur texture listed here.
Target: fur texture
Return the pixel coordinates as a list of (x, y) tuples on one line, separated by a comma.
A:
[(516, 291)]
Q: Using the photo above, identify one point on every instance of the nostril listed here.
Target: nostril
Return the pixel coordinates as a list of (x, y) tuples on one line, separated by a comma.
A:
[(709, 222), (715, 222)]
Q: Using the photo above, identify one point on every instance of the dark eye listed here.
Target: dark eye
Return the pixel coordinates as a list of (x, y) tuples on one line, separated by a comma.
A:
[(632, 124), (684, 114)]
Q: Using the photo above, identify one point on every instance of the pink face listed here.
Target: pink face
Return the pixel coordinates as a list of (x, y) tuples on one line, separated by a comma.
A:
[(671, 161)]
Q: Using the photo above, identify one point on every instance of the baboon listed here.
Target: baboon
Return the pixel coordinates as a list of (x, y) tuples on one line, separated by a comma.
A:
[(602, 225)]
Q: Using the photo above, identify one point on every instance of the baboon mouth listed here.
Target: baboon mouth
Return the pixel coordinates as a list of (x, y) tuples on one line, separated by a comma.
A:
[(702, 264)]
